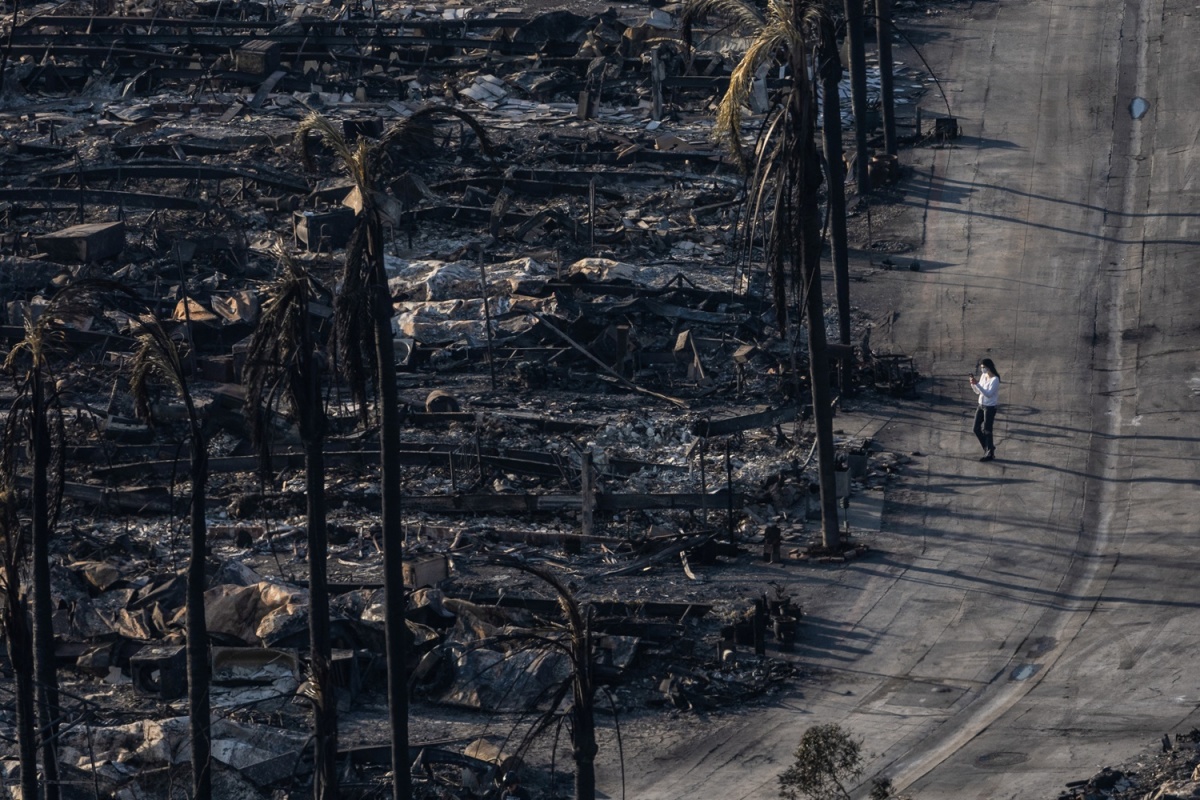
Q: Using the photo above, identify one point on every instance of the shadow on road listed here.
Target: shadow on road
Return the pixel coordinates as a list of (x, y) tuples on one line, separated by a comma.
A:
[(1027, 595), (951, 196), (831, 640)]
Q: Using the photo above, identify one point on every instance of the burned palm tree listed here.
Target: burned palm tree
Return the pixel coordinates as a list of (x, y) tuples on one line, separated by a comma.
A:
[(157, 356), (579, 647), (784, 171), (887, 101), (829, 67), (283, 367), (14, 609), (363, 329), (37, 416), (856, 45), (37, 407)]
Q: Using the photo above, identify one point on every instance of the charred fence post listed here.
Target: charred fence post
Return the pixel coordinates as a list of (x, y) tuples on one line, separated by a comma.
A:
[(729, 491), (587, 497), (487, 318)]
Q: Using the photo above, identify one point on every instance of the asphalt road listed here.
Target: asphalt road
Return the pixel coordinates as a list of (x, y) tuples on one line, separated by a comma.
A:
[(1026, 621)]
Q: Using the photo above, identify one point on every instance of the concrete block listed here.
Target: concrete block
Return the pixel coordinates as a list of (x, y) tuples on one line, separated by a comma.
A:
[(218, 369), (258, 58), (160, 670), (93, 241), (946, 127), (427, 570), (370, 127), (324, 230)]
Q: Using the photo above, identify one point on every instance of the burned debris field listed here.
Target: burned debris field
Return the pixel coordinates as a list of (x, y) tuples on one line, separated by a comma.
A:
[(600, 453)]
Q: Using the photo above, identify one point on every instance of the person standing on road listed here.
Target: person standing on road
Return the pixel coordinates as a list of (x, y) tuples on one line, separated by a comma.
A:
[(987, 386)]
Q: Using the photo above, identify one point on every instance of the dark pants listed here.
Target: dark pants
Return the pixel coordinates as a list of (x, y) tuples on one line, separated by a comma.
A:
[(984, 417)]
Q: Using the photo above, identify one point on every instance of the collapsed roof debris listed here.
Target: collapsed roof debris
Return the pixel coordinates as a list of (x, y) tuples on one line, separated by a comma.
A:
[(592, 380)]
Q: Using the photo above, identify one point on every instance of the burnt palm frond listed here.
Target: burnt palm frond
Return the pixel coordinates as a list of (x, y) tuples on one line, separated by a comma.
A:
[(546, 718), (280, 362), (354, 310), (566, 600), (743, 15), (783, 170), (32, 362), (354, 319), (44, 337), (36, 397), (782, 34), (324, 129), (156, 356), (14, 548), (415, 135), (772, 38)]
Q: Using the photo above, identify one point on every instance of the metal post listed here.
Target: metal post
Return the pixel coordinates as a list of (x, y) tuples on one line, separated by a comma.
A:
[(487, 319), (729, 488), (587, 497), (592, 217)]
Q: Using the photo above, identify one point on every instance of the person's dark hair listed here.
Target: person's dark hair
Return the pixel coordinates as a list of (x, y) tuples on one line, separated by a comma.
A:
[(987, 364)]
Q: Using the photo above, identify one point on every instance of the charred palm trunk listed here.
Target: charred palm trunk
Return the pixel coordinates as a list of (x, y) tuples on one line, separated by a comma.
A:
[(14, 619), (8, 43), (584, 718), (818, 362), (395, 627), (325, 708), (883, 28), (858, 89), (282, 366), (806, 174), (43, 621), (199, 703), (20, 653), (583, 681), (831, 129)]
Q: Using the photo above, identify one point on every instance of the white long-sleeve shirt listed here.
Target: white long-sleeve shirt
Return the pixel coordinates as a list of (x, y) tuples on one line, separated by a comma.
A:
[(988, 389)]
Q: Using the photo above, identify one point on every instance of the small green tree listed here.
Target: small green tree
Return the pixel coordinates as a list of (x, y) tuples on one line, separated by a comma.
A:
[(827, 760), (881, 788)]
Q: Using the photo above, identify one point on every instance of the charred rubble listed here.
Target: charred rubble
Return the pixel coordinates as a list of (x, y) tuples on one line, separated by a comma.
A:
[(592, 378)]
